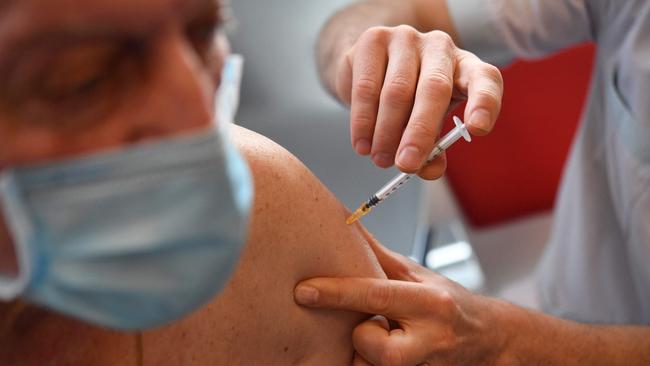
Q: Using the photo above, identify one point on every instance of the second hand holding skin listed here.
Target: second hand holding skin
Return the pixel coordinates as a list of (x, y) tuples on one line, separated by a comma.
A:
[(394, 184), (435, 321)]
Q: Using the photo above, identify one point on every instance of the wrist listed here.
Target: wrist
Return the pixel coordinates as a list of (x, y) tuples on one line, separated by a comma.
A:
[(507, 325), (527, 337)]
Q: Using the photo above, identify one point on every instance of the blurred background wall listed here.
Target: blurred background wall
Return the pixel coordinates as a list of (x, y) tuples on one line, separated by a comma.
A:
[(499, 190), (282, 99)]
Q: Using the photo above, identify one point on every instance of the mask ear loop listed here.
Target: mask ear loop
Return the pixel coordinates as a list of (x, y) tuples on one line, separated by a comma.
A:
[(18, 226), (228, 92)]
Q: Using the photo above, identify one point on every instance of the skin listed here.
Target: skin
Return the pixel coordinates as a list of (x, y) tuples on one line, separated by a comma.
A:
[(288, 241), (96, 90), (435, 321), (397, 66), (438, 322), (119, 72)]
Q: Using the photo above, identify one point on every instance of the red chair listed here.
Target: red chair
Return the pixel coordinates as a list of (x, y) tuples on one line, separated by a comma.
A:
[(515, 170)]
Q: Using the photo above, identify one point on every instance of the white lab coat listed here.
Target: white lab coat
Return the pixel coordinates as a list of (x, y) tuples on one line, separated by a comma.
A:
[(597, 265)]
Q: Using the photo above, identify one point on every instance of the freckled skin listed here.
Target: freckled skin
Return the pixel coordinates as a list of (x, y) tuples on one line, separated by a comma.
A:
[(255, 321), (40, 337)]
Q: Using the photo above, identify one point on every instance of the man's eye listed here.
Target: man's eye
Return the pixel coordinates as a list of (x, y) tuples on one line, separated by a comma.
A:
[(65, 85), (70, 80), (201, 34), (79, 71)]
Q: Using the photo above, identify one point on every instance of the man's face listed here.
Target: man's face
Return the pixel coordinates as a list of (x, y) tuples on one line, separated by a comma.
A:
[(77, 76)]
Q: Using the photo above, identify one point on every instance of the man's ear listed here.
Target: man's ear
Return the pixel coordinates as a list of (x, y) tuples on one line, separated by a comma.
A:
[(9, 312), (8, 259)]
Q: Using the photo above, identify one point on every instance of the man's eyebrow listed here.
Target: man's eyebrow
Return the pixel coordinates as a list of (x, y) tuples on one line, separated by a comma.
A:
[(4, 5), (130, 21), (129, 17)]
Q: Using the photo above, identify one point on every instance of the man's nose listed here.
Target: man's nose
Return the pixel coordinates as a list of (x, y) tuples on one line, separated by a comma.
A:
[(179, 91)]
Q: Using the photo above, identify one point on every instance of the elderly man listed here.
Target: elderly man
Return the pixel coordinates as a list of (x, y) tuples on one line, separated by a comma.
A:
[(124, 203)]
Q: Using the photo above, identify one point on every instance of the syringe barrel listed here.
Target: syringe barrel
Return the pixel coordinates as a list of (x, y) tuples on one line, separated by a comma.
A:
[(446, 141), (435, 153), (451, 137), (392, 186), (399, 180)]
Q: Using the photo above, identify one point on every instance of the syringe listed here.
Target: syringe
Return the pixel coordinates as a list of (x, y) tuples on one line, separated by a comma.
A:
[(394, 184)]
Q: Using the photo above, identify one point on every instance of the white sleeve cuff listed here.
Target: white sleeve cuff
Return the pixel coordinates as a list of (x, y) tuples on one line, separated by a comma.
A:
[(476, 24)]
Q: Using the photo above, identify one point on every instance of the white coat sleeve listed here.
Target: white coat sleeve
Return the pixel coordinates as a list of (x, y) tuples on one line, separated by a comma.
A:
[(499, 31)]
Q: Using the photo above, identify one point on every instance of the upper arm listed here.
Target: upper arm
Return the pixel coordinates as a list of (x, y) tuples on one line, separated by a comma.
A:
[(297, 231), (500, 30)]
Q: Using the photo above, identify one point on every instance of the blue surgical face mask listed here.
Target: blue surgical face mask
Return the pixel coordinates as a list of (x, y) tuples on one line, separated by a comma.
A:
[(133, 238)]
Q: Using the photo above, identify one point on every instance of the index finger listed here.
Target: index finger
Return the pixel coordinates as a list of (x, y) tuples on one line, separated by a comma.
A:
[(393, 299)]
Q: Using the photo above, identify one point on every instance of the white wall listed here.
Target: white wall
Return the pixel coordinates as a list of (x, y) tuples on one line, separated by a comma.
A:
[(278, 39), (282, 99)]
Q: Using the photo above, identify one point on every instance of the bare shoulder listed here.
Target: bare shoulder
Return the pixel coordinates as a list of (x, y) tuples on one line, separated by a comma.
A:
[(272, 165), (287, 192), (254, 320)]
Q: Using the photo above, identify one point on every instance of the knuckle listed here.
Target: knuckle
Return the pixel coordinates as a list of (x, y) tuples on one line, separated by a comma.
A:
[(488, 98), (338, 296), (380, 298), (437, 84), (375, 35), (361, 123), (404, 28), (446, 303), (406, 32), (439, 79), (445, 299), (399, 92), (442, 39), (422, 130), (367, 89), (493, 73), (401, 80)]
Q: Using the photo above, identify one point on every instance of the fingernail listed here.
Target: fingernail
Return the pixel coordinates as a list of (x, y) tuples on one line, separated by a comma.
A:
[(383, 160), (306, 295), (410, 158), (362, 147), (480, 119)]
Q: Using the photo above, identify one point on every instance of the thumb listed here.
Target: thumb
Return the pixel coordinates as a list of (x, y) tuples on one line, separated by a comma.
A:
[(377, 344)]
